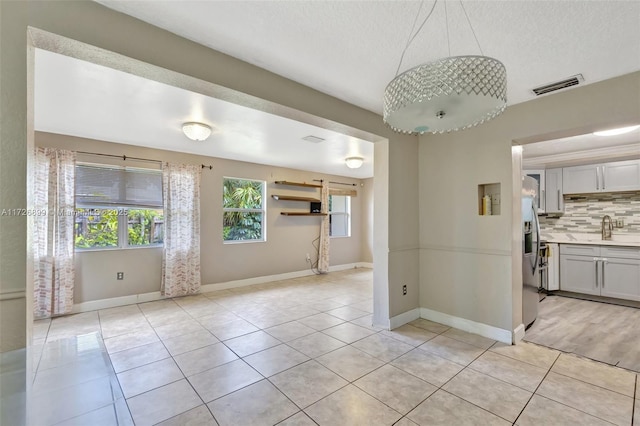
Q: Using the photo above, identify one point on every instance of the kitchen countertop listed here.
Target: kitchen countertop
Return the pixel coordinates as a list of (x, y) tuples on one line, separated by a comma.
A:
[(622, 240)]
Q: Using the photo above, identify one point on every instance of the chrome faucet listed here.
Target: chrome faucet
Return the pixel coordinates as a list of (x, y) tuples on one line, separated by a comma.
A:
[(606, 231)]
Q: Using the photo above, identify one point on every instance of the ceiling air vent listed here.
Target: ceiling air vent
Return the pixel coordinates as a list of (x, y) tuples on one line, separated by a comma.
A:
[(558, 85), (313, 139)]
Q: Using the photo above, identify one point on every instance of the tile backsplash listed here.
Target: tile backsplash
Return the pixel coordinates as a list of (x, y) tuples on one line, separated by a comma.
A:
[(583, 213)]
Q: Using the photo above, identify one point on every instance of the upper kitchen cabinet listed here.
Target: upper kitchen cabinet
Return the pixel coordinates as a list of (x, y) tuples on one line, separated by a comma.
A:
[(554, 202), (539, 176), (621, 176), (607, 177)]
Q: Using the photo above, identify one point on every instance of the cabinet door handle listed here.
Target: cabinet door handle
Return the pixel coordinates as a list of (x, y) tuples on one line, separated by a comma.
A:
[(604, 261), (595, 261), (603, 178), (559, 207), (598, 178)]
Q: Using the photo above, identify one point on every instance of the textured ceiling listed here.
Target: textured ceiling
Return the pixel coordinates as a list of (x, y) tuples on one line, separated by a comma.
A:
[(351, 49)]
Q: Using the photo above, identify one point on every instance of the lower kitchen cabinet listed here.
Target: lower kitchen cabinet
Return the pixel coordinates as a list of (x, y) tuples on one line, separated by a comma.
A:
[(600, 270), (621, 278), (579, 274)]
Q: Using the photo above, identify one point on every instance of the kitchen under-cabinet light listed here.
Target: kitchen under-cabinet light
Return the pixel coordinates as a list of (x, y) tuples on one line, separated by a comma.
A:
[(618, 131)]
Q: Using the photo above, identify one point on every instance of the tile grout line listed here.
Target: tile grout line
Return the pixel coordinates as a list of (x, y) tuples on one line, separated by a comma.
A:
[(537, 387), (561, 403), (634, 402), (455, 375), (437, 387)]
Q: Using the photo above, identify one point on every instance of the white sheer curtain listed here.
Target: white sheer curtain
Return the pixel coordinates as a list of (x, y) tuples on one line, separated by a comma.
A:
[(181, 254), (323, 252), (53, 239)]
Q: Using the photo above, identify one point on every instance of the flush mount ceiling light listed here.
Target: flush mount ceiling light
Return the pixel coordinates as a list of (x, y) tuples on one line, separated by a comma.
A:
[(619, 131), (354, 162), (196, 131), (445, 95)]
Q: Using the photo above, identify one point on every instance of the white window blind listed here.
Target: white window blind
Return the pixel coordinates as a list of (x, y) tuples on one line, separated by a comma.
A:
[(108, 185)]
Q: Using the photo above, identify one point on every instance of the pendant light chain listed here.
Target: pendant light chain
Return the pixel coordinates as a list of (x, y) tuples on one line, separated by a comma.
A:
[(411, 38), (471, 26), (446, 22)]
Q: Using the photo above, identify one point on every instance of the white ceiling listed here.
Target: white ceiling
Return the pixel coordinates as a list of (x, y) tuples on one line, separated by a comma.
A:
[(581, 149), (79, 98), (348, 49)]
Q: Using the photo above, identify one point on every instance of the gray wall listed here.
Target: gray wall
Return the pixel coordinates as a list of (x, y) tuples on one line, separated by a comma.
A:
[(466, 265), (288, 238)]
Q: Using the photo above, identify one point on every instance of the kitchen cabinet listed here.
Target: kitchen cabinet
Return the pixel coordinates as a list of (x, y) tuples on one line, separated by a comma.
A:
[(607, 177), (621, 176), (539, 176), (581, 179), (553, 193), (600, 270)]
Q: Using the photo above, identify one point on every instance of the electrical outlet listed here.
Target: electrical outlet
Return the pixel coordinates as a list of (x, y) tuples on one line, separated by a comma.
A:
[(120, 275), (404, 290)]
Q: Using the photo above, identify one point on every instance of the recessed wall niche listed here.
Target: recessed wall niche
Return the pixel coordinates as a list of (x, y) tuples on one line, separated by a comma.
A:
[(489, 199)]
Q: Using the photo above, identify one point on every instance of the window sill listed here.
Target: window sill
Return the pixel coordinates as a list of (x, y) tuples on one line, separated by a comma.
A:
[(92, 250), (231, 242)]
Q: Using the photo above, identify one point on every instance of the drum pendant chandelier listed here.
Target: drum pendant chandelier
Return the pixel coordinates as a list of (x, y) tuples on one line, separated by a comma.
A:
[(445, 95)]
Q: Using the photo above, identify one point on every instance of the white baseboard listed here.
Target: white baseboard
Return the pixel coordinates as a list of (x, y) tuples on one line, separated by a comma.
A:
[(518, 333), (114, 302), (464, 324), (94, 305), (404, 318), (277, 277)]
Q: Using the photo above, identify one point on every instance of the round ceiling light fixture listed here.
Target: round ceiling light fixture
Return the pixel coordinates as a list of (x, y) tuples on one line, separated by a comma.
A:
[(196, 131), (354, 162), (618, 131), (446, 95)]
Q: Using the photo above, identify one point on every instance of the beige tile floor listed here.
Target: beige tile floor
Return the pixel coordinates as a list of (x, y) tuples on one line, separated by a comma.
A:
[(303, 352)]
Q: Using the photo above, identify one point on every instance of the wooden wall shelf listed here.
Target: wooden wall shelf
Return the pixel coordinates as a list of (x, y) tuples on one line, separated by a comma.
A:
[(302, 214), (304, 184), (293, 198)]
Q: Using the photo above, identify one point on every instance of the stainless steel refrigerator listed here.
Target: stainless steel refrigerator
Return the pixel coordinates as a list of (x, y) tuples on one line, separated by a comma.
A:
[(530, 251)]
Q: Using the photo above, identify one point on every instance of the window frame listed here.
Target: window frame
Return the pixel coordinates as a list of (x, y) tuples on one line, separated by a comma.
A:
[(262, 210), (122, 214), (346, 213)]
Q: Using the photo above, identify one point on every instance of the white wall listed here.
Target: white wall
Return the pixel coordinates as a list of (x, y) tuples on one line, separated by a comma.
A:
[(466, 267), (289, 238), (367, 220)]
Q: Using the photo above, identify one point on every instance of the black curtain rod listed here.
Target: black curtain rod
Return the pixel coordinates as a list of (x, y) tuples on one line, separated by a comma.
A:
[(125, 158), (337, 183)]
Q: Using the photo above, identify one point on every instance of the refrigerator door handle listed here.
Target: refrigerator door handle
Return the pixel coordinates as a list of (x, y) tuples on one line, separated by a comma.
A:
[(535, 217)]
